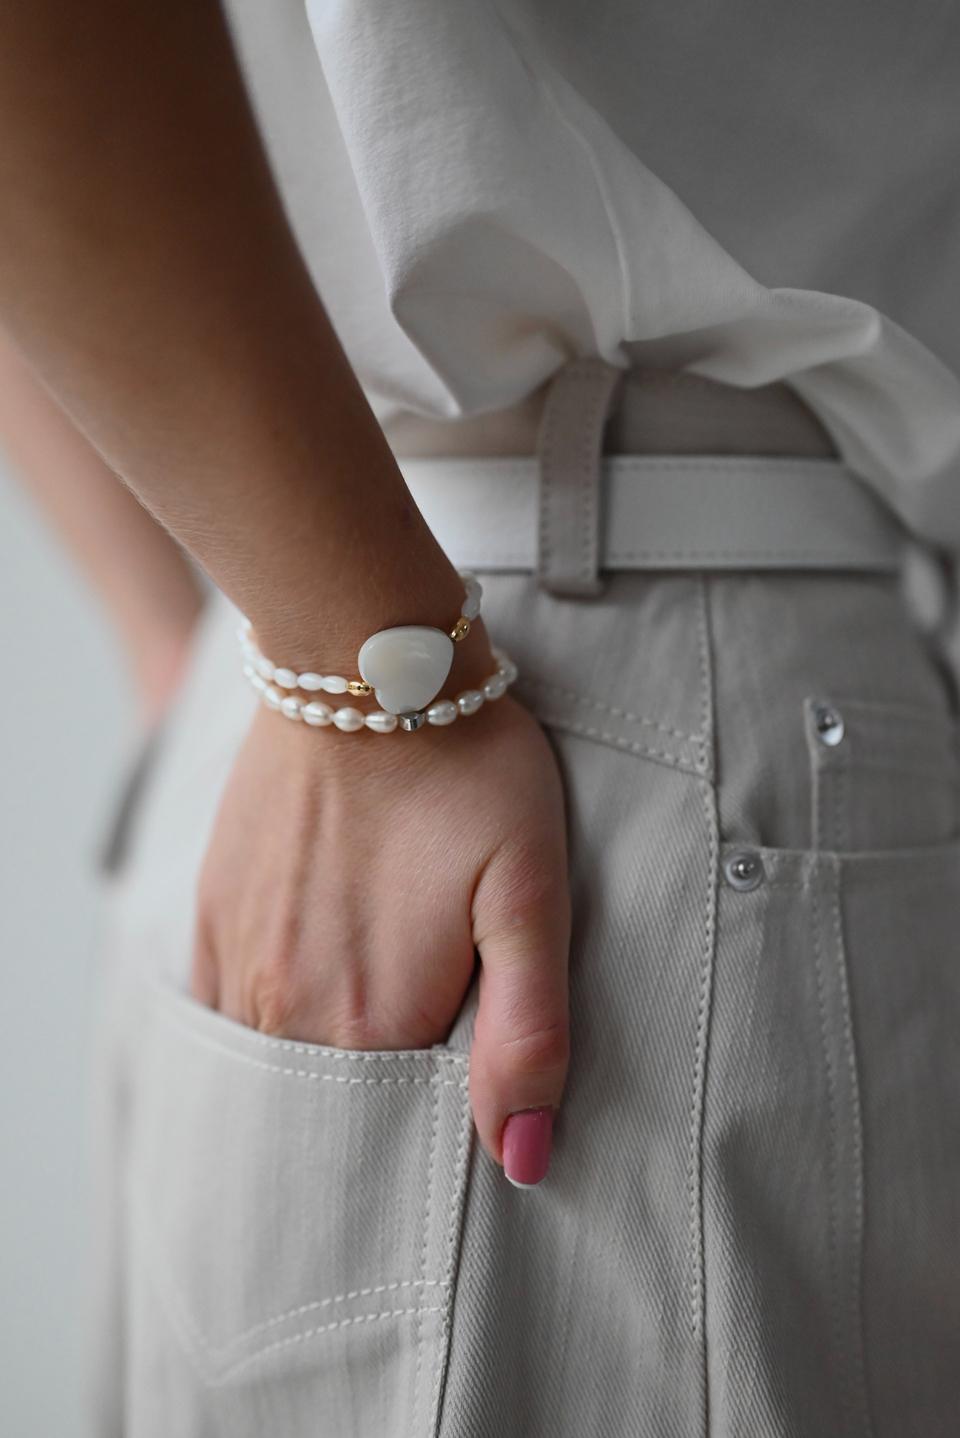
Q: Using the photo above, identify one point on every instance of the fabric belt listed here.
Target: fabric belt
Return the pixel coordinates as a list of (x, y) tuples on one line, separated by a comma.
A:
[(666, 512)]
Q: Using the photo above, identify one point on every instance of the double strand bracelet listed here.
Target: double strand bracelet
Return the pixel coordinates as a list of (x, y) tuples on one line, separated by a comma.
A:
[(403, 667)]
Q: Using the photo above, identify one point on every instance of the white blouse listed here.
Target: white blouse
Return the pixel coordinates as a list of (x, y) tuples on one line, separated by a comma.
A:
[(472, 184)]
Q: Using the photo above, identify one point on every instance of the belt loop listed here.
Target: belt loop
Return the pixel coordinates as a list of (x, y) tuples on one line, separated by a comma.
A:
[(578, 404)]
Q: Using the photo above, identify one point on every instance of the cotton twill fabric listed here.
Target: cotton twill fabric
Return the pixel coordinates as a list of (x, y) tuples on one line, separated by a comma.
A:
[(749, 1222)]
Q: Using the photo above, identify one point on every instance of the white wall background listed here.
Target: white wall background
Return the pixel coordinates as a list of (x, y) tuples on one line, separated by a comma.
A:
[(64, 731)]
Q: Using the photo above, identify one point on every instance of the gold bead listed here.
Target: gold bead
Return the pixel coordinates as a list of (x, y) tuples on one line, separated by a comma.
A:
[(359, 687), (460, 630)]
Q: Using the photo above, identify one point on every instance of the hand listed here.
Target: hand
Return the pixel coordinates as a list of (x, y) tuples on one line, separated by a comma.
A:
[(350, 880)]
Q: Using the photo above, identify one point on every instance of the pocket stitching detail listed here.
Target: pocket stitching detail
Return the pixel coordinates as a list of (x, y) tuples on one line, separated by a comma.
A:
[(192, 1340), (580, 698), (698, 1087), (316, 1333), (168, 1283), (228, 1052), (587, 731), (424, 1247), (845, 1325), (453, 1230)]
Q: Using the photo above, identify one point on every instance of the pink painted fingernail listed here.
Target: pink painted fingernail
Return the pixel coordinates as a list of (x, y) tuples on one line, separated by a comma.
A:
[(527, 1138)]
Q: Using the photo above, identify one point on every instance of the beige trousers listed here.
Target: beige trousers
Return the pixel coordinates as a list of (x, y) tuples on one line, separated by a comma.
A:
[(750, 1224)]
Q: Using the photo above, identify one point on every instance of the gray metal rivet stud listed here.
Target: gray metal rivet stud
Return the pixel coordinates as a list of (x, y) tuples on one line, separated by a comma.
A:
[(828, 723), (413, 720), (744, 871)]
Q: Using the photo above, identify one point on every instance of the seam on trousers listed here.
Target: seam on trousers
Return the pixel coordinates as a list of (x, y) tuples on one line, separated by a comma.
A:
[(315, 1305), (332, 1055), (587, 699), (832, 1239), (710, 801), (847, 1328), (424, 1253), (698, 1102), (706, 679), (589, 731), (191, 1340), (860, 1398), (454, 1237), (228, 1052)]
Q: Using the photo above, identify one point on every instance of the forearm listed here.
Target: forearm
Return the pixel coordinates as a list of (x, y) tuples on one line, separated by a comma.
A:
[(147, 270), (145, 582)]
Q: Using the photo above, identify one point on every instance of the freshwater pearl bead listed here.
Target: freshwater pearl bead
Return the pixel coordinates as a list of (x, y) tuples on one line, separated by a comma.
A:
[(469, 701), (334, 684), (258, 683), (508, 669), (495, 686), (272, 697), (265, 668), (292, 707), (317, 714), (471, 604), (285, 679), (381, 722), (348, 720), (249, 672), (310, 681), (443, 712)]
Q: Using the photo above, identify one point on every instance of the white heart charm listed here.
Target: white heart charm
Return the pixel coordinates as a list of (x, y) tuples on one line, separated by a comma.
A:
[(406, 666)]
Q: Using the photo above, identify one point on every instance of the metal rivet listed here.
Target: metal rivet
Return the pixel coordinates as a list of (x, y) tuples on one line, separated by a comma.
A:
[(744, 871), (413, 720), (828, 724)]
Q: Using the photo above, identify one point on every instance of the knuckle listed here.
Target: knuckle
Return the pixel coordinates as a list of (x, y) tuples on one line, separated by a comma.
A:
[(526, 891), (274, 998), (350, 1029)]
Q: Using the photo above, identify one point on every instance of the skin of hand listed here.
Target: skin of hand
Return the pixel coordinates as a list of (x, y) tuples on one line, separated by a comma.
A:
[(349, 885), (149, 276)]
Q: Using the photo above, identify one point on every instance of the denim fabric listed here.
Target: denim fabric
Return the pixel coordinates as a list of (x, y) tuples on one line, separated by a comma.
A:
[(749, 1225)]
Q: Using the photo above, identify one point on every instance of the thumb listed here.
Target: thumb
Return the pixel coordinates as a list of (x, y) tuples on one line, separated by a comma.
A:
[(521, 1041)]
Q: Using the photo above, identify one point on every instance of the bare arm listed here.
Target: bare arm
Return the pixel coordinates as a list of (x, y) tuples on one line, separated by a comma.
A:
[(146, 584), (148, 273)]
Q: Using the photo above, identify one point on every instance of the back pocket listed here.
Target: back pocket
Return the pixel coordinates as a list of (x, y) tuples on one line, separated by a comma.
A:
[(295, 1215), (884, 776)]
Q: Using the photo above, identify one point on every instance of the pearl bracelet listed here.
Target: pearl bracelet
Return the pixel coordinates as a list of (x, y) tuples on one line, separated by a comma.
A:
[(404, 667)]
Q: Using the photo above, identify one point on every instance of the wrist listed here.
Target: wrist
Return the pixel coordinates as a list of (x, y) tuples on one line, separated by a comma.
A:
[(325, 623), (473, 661)]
